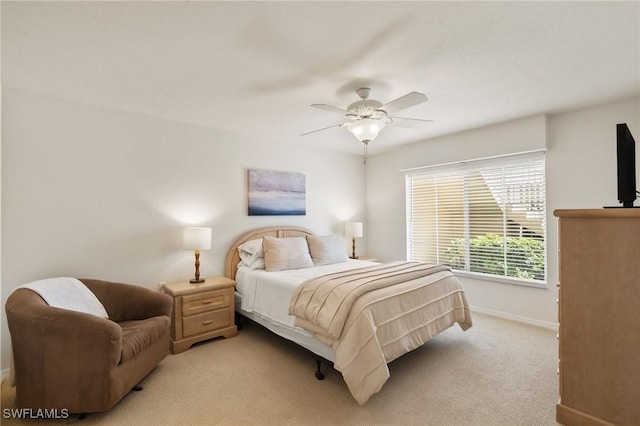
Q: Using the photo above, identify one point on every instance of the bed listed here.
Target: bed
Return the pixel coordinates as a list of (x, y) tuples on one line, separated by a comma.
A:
[(356, 314)]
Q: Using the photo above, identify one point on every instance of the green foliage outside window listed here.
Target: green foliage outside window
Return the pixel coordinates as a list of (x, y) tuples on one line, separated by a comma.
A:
[(524, 256)]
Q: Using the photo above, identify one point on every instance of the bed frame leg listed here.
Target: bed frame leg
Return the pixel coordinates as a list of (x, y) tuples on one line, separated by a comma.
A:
[(319, 374), (238, 320)]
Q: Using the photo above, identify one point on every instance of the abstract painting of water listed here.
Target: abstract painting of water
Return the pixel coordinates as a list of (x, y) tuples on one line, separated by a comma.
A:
[(274, 193)]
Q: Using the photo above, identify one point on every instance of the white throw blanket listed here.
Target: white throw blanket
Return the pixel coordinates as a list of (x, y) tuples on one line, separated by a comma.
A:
[(67, 293)]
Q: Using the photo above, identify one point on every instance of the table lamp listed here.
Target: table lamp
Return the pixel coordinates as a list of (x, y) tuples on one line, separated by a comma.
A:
[(196, 238), (353, 230)]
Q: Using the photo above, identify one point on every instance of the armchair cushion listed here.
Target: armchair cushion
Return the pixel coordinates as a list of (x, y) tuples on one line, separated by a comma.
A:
[(137, 335)]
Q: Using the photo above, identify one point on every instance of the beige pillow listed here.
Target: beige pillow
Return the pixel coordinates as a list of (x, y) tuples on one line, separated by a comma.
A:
[(327, 249), (286, 253)]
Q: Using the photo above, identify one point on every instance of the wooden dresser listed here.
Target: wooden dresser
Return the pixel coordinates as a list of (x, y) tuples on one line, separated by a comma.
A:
[(599, 314)]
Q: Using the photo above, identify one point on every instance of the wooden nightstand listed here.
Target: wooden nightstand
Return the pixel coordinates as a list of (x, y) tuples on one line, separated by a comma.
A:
[(201, 311)]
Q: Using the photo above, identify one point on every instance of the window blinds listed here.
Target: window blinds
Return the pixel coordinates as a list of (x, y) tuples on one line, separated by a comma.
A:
[(481, 217)]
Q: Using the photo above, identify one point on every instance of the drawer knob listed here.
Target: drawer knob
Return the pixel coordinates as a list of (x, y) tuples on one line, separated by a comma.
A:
[(207, 322), (206, 302)]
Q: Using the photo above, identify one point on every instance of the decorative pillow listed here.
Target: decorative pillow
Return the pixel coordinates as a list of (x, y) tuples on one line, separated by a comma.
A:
[(327, 249), (251, 253), (286, 253)]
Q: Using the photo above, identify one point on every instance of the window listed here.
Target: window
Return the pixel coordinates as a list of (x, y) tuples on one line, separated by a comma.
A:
[(481, 217)]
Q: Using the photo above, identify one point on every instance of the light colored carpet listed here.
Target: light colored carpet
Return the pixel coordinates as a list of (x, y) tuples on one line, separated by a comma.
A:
[(496, 373)]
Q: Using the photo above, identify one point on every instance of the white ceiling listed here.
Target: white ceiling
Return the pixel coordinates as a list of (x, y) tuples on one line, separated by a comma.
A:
[(255, 67)]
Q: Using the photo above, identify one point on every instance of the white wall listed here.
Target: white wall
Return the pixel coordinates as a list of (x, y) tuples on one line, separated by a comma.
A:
[(580, 173), (93, 192)]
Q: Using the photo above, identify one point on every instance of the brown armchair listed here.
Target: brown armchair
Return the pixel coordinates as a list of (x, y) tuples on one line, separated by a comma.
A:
[(80, 362)]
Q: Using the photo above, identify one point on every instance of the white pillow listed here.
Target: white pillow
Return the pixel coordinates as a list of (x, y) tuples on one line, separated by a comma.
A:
[(286, 253), (256, 264), (251, 253), (327, 249)]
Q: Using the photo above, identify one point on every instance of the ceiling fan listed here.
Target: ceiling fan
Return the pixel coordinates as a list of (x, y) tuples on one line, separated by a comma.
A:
[(367, 117)]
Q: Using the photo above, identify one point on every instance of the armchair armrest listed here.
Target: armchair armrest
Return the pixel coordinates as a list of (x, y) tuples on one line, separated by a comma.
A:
[(125, 302)]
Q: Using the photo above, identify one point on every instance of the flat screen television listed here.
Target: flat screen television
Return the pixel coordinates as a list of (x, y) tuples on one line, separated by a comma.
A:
[(626, 166)]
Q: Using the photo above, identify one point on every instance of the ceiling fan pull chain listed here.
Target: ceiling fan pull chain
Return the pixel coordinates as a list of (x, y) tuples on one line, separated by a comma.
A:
[(366, 151)]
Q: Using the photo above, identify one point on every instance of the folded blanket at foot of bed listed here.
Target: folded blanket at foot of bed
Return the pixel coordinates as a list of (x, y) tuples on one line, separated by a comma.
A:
[(371, 316)]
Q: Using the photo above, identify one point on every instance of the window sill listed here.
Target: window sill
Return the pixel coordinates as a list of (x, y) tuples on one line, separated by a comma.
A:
[(499, 279)]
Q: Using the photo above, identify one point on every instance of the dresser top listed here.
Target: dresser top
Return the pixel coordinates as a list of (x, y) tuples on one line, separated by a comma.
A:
[(599, 213)]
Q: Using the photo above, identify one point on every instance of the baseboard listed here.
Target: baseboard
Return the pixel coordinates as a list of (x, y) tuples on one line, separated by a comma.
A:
[(512, 317), (4, 374)]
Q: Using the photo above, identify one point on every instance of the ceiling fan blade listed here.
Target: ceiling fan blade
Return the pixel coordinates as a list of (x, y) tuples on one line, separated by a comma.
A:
[(330, 108), (413, 123), (324, 128), (404, 102)]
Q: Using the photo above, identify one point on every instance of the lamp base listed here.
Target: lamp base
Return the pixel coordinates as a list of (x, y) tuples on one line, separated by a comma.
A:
[(196, 281), (353, 257)]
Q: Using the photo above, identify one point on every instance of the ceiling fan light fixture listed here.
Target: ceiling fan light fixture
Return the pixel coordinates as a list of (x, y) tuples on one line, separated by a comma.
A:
[(367, 117), (366, 129)]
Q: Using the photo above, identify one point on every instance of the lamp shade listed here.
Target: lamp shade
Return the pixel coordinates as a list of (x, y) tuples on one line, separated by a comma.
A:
[(366, 129), (353, 229), (196, 238)]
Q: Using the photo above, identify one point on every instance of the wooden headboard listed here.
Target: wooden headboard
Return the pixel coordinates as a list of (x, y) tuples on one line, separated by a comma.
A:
[(233, 257)]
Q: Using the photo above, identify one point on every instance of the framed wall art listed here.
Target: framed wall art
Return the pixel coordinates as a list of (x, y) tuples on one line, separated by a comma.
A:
[(274, 193)]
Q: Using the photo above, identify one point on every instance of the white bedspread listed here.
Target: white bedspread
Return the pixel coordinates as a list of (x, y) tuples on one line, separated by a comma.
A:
[(269, 293), (383, 324)]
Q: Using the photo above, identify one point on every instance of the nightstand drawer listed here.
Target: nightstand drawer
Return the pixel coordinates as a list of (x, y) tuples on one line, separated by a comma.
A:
[(204, 302), (208, 321)]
